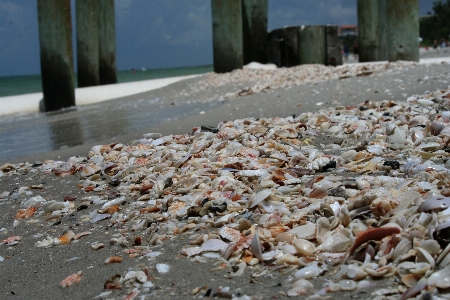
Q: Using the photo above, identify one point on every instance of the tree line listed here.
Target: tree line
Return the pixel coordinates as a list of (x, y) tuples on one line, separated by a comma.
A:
[(435, 28)]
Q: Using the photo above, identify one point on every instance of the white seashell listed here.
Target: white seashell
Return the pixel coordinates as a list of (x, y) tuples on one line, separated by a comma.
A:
[(347, 285), (425, 102), (191, 251), (274, 206), (424, 257), (260, 196), (98, 217), (304, 247), (50, 206), (230, 234), (89, 170), (48, 242), (307, 231), (162, 268), (440, 279), (214, 245), (308, 272), (255, 247), (271, 254), (113, 202)]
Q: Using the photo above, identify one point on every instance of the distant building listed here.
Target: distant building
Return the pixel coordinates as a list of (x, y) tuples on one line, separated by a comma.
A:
[(348, 30)]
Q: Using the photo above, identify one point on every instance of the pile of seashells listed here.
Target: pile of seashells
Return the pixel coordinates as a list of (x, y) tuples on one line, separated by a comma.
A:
[(361, 192), (260, 80)]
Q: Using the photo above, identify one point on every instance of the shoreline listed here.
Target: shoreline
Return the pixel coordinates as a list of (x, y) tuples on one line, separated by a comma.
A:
[(30, 103)]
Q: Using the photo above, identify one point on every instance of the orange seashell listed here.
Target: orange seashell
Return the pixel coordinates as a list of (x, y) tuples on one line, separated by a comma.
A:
[(113, 282), (66, 238), (12, 240), (25, 213), (278, 175), (370, 234), (112, 209), (247, 259), (71, 280), (140, 161), (318, 193), (276, 230), (89, 188), (236, 197), (113, 259), (149, 209)]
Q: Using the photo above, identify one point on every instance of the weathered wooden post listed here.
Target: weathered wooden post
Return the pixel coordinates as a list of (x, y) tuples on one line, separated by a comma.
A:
[(311, 45), (227, 35), (276, 51), (402, 30), (291, 50), (254, 22), (107, 42), (55, 39), (372, 18), (87, 43), (334, 46)]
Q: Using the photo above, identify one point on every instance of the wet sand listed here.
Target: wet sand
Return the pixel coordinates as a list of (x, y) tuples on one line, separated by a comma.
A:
[(29, 272)]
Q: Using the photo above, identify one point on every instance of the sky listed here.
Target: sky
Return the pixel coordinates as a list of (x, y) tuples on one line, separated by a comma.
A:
[(159, 33)]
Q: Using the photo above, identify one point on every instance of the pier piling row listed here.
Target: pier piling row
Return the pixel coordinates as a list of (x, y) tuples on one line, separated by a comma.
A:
[(55, 39), (87, 42), (388, 30)]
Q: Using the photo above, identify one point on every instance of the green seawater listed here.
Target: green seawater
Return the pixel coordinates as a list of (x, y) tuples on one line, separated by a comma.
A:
[(19, 85)]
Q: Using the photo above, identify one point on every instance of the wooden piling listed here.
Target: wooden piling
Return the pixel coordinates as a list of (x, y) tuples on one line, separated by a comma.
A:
[(402, 30), (254, 22), (334, 46), (107, 42), (55, 39), (87, 43), (227, 35), (372, 18), (311, 45)]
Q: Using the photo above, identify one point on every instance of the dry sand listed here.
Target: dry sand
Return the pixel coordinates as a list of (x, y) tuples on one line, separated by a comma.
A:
[(29, 272)]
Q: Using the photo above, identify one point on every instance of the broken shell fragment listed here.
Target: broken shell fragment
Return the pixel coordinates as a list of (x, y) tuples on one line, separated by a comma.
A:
[(71, 280)]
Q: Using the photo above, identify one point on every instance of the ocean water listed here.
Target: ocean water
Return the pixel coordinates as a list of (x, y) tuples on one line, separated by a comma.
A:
[(18, 85)]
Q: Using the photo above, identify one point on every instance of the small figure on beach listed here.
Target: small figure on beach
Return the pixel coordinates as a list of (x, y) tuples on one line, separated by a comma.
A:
[(133, 71), (346, 52), (356, 51)]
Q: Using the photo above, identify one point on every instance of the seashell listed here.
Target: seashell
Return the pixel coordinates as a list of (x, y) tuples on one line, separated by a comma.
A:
[(255, 247), (12, 240), (71, 280), (308, 272), (244, 224), (318, 193), (260, 196), (214, 245), (50, 206), (436, 128), (307, 231), (424, 257), (356, 273), (402, 247), (284, 237), (162, 268), (65, 239), (435, 204), (97, 245), (113, 259), (99, 217), (371, 234), (90, 170), (440, 279), (230, 234), (304, 247), (25, 213), (420, 268)]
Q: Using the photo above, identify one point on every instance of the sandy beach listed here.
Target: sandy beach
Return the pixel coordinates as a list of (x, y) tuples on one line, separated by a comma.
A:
[(35, 263)]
